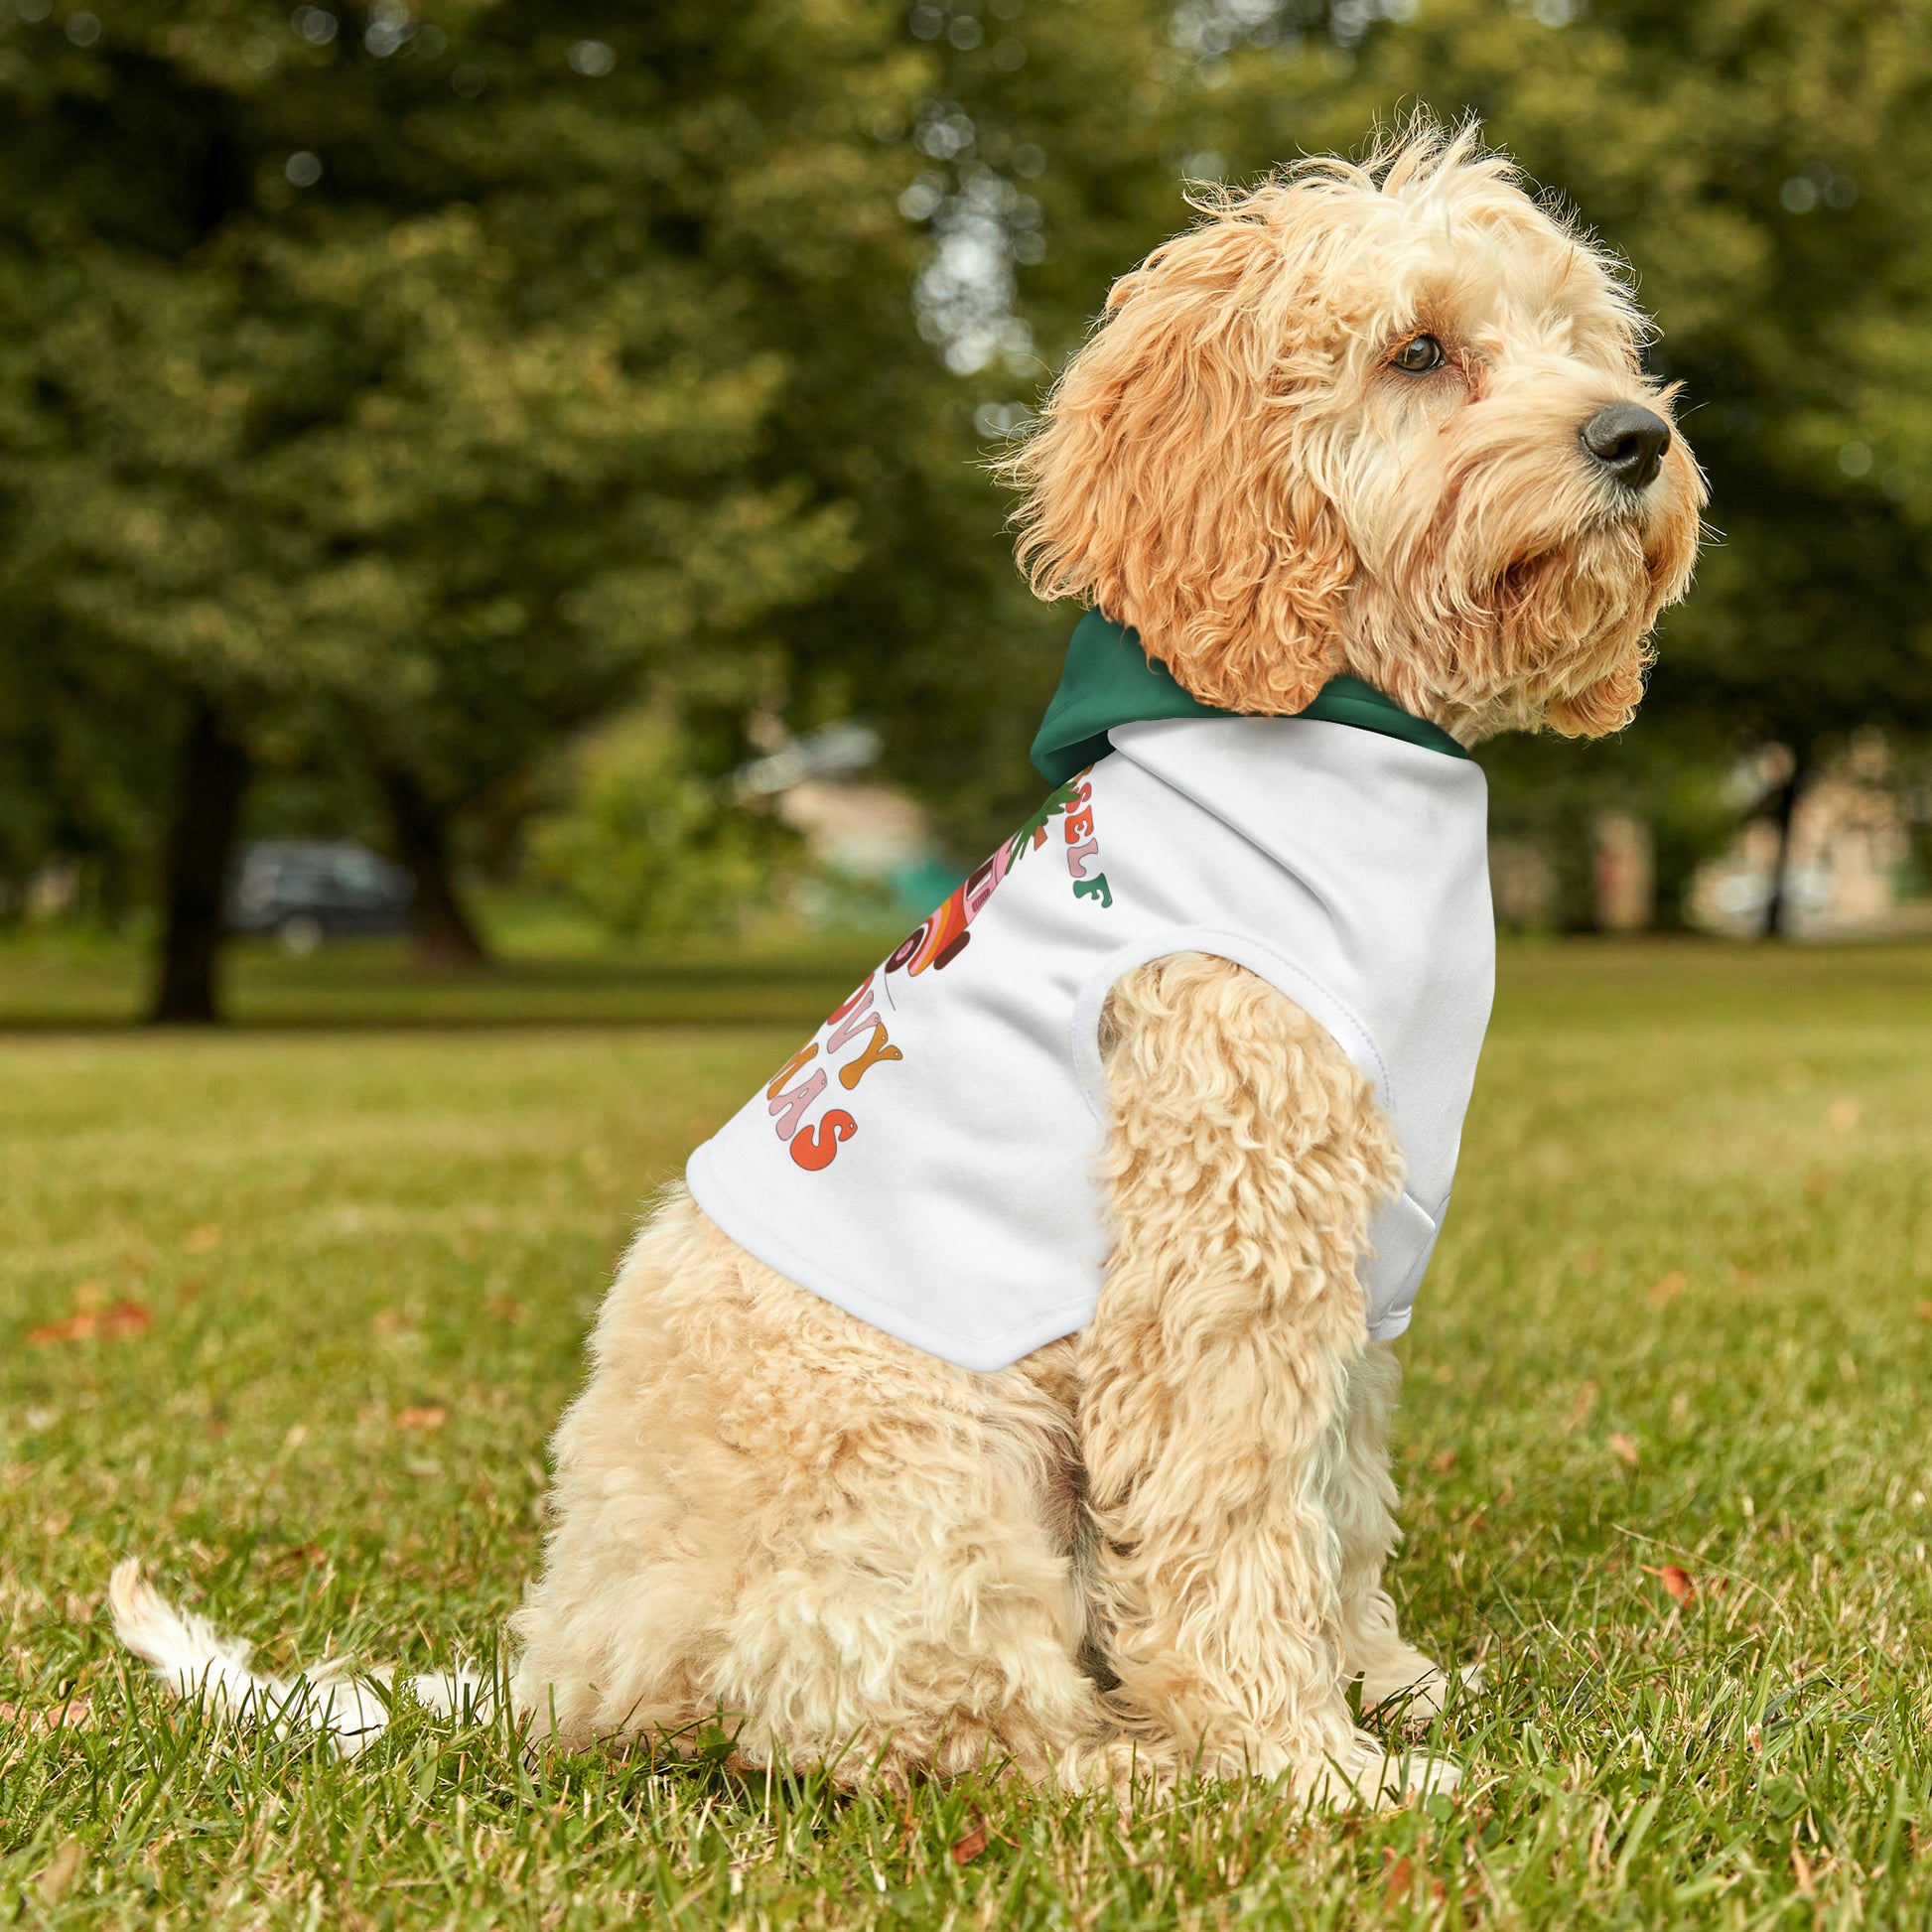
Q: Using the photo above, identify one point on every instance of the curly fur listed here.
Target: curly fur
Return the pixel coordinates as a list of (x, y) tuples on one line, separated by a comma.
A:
[(1157, 1545), (769, 1511), (1117, 1556)]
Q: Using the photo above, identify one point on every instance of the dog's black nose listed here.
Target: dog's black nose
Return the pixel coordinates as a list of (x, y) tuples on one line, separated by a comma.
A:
[(1629, 442)]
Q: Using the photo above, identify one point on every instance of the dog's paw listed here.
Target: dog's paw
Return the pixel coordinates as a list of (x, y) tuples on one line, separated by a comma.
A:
[(1368, 1773), (1415, 1697), (1416, 1775), (1414, 1694)]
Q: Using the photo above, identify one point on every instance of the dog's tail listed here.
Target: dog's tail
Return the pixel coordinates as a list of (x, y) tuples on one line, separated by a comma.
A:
[(195, 1661)]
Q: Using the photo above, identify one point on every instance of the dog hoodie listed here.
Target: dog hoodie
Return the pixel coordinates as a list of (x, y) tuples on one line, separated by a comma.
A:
[(925, 1161)]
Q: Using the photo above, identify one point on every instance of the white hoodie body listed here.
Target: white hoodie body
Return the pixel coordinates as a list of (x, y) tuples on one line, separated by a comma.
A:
[(926, 1162)]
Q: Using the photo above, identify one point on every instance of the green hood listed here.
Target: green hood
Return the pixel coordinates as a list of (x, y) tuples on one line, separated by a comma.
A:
[(1109, 680)]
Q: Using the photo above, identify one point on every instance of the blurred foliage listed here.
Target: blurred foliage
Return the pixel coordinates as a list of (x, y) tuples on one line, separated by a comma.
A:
[(76, 769), (395, 388), (1672, 773), (417, 385), (651, 849)]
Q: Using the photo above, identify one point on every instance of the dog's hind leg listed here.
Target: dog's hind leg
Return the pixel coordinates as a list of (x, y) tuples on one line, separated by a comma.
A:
[(770, 1516), (1361, 1505), (1245, 1155)]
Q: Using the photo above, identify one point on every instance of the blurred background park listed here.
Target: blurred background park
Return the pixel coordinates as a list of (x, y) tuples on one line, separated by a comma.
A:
[(511, 476)]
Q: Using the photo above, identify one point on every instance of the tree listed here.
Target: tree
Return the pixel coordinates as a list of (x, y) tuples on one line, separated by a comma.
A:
[(408, 387)]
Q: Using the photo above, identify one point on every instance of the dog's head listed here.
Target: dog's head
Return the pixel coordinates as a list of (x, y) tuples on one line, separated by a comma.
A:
[(1385, 419)]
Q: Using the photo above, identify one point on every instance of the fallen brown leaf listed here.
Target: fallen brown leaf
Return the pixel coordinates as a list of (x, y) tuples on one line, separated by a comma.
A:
[(77, 1327), (1625, 1450), (1400, 1881), (1443, 1463), (425, 1418), (1677, 1583), (108, 1324), (76, 1715), (1669, 1289), (965, 1850), (1801, 1870)]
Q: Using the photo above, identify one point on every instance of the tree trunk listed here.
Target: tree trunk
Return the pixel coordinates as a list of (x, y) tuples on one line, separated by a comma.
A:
[(1777, 905), (446, 936), (201, 846)]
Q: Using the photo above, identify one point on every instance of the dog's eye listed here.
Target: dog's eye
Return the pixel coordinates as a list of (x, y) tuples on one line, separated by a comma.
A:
[(1418, 355)]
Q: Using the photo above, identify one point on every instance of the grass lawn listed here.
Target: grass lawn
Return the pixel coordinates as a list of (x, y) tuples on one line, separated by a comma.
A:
[(62, 982), (336, 1280)]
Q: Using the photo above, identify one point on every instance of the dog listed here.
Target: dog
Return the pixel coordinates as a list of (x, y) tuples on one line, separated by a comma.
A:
[(1061, 1444)]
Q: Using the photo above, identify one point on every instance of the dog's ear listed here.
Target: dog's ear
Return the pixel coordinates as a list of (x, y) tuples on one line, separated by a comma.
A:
[(1168, 480)]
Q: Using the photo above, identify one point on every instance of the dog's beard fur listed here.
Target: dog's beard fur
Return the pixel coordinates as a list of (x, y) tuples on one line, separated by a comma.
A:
[(1519, 591)]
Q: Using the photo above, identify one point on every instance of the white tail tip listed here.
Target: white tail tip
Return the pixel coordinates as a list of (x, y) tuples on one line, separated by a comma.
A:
[(195, 1661)]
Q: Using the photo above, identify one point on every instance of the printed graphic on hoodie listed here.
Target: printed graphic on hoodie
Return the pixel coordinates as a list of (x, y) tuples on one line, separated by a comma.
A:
[(935, 942)]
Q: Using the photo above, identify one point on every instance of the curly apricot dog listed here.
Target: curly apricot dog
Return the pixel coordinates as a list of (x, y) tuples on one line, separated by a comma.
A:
[(1022, 1392)]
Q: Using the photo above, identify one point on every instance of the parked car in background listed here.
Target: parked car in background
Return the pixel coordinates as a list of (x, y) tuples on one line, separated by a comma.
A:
[(306, 891)]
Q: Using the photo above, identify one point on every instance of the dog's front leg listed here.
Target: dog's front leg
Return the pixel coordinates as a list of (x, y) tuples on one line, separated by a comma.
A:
[(1394, 1674), (1245, 1154)]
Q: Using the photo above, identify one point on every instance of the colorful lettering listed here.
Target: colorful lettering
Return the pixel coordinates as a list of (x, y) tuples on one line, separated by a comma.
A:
[(877, 1050), (789, 1108), (809, 1051), (850, 1021), (1076, 859), (1094, 888), (858, 999), (939, 939), (818, 1146), (1032, 834)]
